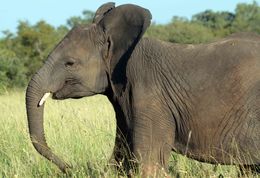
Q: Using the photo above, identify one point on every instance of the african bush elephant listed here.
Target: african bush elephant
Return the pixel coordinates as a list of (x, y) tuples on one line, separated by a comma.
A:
[(199, 100)]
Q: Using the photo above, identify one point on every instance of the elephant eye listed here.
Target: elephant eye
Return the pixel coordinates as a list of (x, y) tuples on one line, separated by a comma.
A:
[(69, 63)]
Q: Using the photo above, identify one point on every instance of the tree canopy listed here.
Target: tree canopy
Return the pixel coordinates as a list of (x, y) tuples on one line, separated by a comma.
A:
[(23, 52)]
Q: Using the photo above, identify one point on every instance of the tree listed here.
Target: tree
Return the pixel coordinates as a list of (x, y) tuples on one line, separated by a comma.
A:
[(181, 30), (12, 71), (22, 54), (34, 43), (218, 22), (86, 18), (188, 32), (247, 18), (158, 31)]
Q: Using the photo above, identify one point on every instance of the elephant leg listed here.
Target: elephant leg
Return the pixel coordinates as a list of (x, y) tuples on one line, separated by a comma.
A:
[(122, 151), (152, 150), (153, 137)]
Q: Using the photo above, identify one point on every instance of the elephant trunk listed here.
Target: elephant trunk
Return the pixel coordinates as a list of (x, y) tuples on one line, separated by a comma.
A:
[(35, 91)]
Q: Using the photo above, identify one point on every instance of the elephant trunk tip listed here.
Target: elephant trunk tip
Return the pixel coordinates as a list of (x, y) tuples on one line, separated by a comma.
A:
[(45, 151)]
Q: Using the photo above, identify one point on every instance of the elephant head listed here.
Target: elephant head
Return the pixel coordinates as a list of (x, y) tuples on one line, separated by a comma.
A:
[(82, 64)]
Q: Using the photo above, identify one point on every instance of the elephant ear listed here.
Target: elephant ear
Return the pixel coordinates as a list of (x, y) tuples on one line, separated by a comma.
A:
[(123, 26), (102, 10)]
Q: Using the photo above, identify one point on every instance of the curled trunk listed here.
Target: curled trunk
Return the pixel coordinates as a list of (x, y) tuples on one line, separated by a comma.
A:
[(35, 91)]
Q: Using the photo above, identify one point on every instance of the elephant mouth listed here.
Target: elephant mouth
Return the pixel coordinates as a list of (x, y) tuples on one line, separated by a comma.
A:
[(75, 91), (70, 89), (55, 96), (58, 96)]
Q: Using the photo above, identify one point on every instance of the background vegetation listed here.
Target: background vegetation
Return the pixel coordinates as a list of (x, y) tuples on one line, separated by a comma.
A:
[(23, 52), (84, 136)]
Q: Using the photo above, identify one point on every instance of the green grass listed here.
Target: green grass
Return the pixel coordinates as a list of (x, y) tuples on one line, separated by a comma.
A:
[(81, 132)]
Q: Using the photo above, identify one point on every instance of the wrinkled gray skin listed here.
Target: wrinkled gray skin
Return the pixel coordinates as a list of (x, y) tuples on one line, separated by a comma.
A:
[(199, 100)]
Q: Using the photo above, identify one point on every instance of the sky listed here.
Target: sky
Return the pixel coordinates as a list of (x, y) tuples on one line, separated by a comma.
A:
[(56, 12)]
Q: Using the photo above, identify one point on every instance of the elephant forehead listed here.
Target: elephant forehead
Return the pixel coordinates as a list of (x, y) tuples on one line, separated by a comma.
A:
[(77, 53), (81, 32)]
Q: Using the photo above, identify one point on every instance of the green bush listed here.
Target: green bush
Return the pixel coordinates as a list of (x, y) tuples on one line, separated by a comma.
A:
[(12, 72)]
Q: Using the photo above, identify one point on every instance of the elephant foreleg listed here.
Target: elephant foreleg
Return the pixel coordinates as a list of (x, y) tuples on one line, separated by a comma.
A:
[(153, 138), (122, 152), (121, 155)]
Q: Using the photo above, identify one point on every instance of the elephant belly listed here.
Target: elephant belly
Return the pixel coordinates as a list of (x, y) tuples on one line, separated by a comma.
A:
[(231, 137)]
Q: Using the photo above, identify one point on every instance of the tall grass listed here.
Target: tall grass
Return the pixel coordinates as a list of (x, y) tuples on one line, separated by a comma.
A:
[(81, 132)]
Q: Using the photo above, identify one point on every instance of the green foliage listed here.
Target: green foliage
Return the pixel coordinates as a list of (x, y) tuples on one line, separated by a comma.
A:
[(214, 20), (34, 43), (209, 25), (188, 32), (218, 22), (22, 53), (77, 20), (12, 70), (247, 18), (181, 31)]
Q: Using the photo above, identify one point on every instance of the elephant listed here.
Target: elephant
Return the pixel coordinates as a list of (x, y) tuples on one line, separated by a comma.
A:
[(200, 100)]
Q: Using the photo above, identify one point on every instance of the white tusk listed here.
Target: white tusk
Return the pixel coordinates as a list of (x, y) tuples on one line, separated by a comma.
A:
[(45, 96)]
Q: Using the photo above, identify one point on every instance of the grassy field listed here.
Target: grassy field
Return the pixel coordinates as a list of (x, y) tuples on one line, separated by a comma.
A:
[(81, 132)]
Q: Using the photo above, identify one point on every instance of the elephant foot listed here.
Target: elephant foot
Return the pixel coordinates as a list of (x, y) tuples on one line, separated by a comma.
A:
[(120, 167), (154, 170)]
